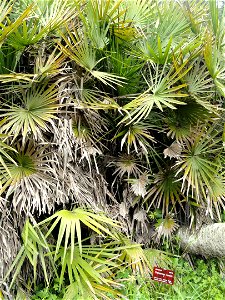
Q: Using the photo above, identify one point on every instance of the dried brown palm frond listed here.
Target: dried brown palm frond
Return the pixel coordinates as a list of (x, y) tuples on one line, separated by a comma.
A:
[(118, 211), (9, 239), (85, 189), (75, 181), (174, 150), (138, 185), (77, 185), (86, 138), (76, 141), (56, 175), (140, 226), (126, 164), (44, 176)]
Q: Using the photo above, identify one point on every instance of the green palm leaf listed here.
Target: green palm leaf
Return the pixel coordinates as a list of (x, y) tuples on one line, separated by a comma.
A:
[(164, 191), (88, 270), (161, 93), (38, 106), (199, 83), (70, 226), (136, 135), (132, 255), (7, 27), (197, 163), (97, 18), (79, 50), (215, 63), (49, 66), (29, 33), (182, 121), (34, 249), (51, 14)]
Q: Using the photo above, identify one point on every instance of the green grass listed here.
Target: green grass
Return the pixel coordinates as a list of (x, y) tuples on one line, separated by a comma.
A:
[(202, 282)]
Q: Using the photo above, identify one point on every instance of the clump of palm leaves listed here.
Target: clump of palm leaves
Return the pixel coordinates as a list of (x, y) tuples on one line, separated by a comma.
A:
[(90, 267), (114, 106)]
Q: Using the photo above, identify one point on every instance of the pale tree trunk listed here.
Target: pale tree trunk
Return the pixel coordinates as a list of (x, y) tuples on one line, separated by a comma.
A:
[(209, 241)]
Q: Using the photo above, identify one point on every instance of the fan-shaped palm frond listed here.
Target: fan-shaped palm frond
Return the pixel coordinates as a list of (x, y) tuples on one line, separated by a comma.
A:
[(4, 153), (7, 27), (38, 106), (105, 10), (165, 227), (169, 23), (215, 203), (89, 270), (165, 190), (81, 132), (138, 12), (199, 83), (174, 150), (73, 291), (182, 121), (133, 255), (29, 180), (126, 164), (70, 225), (162, 40), (158, 257), (196, 13), (161, 93), (153, 50), (215, 63), (97, 18), (126, 65), (217, 20), (138, 185), (49, 66), (197, 164), (29, 33), (45, 17), (51, 14), (136, 135)]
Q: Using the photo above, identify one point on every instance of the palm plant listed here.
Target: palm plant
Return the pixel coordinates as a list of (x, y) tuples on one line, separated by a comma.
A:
[(113, 106)]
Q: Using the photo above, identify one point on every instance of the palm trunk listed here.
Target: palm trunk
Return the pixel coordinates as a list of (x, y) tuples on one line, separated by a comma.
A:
[(209, 241)]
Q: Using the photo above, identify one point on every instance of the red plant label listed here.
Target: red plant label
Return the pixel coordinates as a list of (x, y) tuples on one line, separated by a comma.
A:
[(163, 275)]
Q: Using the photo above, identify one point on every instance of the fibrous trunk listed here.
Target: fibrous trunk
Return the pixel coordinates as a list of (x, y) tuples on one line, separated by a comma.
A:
[(209, 241)]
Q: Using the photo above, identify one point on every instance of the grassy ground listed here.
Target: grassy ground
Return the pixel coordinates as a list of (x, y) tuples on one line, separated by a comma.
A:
[(203, 282)]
